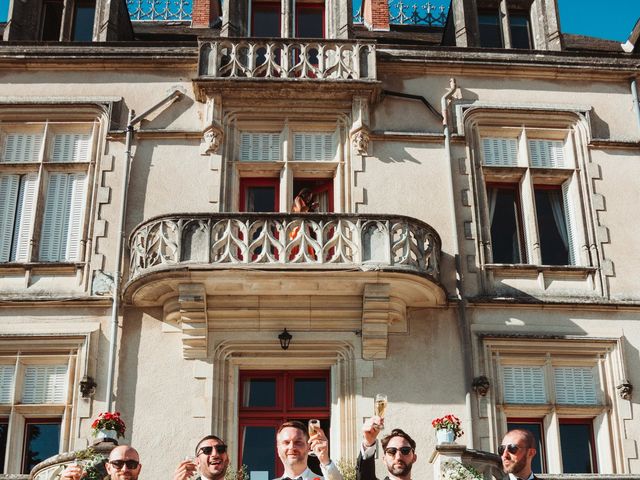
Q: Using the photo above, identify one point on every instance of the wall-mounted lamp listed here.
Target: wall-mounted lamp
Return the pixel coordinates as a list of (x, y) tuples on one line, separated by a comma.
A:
[(87, 387), (285, 338)]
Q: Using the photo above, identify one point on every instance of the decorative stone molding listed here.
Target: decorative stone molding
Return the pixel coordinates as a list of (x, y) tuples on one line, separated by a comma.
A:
[(193, 320), (625, 389), (481, 385), (375, 321), (360, 141), (211, 140)]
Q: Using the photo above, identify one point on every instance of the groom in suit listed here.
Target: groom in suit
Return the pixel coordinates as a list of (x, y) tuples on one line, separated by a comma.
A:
[(516, 452), (399, 452)]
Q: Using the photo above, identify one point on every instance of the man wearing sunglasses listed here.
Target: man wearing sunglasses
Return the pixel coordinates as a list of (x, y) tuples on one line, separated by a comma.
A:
[(517, 451), (123, 464), (399, 452), (211, 461), (294, 446)]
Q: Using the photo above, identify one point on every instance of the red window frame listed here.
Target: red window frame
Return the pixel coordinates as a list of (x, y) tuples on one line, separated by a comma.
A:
[(316, 185), (265, 7), (246, 183), (284, 409), (310, 6), (31, 421), (592, 440)]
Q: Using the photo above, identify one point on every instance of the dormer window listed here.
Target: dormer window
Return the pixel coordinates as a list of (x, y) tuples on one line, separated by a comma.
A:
[(306, 19), (505, 24), (54, 13)]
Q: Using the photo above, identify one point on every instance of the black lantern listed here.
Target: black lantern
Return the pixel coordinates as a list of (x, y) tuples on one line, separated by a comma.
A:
[(285, 338)]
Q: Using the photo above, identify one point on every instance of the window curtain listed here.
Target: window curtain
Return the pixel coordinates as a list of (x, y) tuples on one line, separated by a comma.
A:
[(555, 199)]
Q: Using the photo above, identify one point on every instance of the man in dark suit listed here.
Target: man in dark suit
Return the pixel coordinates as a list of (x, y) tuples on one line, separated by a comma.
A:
[(517, 451), (398, 450)]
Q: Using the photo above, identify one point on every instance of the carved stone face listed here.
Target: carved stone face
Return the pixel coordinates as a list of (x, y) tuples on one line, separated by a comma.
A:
[(212, 139), (361, 142)]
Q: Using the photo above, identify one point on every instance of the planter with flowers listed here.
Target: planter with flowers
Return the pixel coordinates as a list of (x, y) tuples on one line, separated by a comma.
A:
[(108, 426), (448, 428)]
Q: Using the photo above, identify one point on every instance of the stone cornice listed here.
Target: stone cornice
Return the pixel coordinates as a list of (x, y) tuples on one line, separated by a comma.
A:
[(546, 64), (99, 56)]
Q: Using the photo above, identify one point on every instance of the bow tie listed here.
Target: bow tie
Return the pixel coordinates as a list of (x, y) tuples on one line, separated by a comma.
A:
[(287, 478)]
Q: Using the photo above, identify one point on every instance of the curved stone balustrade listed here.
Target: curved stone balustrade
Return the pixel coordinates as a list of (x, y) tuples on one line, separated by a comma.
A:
[(273, 240), (287, 59)]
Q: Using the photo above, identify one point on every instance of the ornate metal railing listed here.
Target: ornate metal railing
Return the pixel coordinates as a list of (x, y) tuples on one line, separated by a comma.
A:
[(159, 10), (412, 13), (287, 58), (266, 240)]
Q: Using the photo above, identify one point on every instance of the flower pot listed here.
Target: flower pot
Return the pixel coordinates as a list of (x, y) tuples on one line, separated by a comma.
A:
[(107, 434), (445, 436)]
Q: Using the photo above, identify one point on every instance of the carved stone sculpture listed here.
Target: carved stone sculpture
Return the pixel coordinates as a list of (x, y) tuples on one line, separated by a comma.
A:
[(481, 385)]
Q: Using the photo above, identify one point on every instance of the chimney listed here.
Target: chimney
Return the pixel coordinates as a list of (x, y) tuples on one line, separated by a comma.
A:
[(205, 13), (375, 14)]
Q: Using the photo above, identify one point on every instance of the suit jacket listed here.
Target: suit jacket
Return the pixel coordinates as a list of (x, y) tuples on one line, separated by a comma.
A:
[(366, 468)]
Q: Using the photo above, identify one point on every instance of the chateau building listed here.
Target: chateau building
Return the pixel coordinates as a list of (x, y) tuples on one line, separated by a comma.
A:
[(472, 250)]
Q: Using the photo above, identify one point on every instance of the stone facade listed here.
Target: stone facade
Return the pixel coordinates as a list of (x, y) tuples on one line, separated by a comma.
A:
[(405, 282)]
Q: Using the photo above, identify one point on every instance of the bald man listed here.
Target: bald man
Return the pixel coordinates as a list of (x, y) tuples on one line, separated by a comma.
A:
[(123, 464)]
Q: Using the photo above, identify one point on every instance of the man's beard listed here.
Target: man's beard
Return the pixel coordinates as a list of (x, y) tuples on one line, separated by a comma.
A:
[(401, 470), (516, 467)]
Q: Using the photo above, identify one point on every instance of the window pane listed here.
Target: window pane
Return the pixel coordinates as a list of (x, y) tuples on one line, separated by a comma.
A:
[(259, 392), (505, 221), (261, 199), (519, 27), (552, 226), (576, 445), (42, 440), (4, 428), (524, 385), (83, 23), (309, 21), (490, 35), (6, 384), (52, 20), (258, 452), (44, 384), (536, 429), (575, 386), (310, 392), (265, 19)]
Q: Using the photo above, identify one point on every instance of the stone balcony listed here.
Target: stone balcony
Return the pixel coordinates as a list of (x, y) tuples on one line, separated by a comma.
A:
[(332, 65), (271, 270)]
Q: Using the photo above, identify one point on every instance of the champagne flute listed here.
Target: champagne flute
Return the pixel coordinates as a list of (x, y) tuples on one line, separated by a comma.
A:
[(380, 407), (192, 459), (313, 426)]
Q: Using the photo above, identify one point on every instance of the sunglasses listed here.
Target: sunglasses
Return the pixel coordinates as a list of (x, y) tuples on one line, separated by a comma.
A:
[(403, 450), (131, 464), (510, 447), (220, 448)]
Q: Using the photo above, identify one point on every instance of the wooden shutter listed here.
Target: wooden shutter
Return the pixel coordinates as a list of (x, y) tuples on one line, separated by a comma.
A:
[(259, 147), (9, 185), (17, 210), (500, 152), (547, 153), (75, 217), (575, 386), (25, 216), (62, 220), (21, 147), (71, 147), (314, 146), (570, 222), (7, 373), (524, 384), (44, 384)]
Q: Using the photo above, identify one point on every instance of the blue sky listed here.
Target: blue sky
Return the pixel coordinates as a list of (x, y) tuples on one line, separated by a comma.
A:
[(612, 20)]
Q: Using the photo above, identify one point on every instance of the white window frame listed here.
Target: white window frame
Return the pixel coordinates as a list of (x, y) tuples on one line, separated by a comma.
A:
[(287, 167), (606, 360), (527, 176), (74, 178), (23, 353)]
